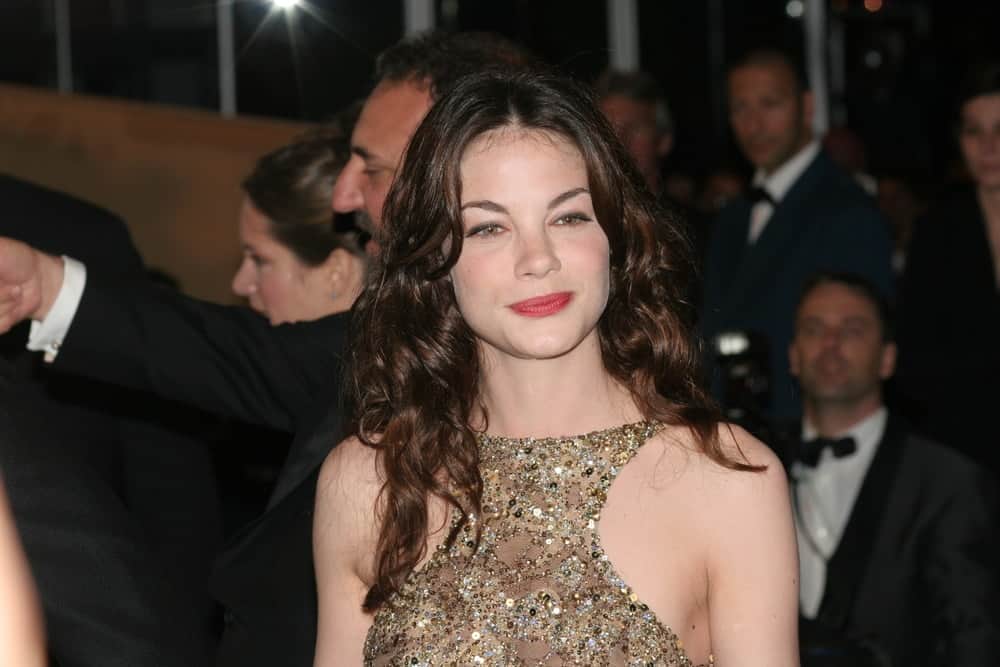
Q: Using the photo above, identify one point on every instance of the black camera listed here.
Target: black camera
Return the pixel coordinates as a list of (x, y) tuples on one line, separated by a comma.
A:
[(743, 384)]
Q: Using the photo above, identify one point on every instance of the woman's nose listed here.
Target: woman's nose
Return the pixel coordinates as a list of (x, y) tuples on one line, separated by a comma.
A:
[(243, 282), (536, 256)]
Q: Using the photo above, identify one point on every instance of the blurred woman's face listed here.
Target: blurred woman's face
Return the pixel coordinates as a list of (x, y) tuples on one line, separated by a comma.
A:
[(279, 285), (979, 138)]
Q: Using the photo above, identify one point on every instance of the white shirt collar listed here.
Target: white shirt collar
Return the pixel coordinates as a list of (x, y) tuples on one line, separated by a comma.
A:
[(780, 181), (866, 433)]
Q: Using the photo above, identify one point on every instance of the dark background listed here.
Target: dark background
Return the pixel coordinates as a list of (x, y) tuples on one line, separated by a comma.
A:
[(903, 62)]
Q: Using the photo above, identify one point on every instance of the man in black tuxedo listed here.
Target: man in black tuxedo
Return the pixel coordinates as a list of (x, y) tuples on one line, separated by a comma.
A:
[(117, 512), (898, 548), (803, 215), (230, 361)]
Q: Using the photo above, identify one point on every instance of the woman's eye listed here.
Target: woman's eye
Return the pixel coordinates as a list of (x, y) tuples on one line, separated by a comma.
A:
[(487, 229), (572, 219)]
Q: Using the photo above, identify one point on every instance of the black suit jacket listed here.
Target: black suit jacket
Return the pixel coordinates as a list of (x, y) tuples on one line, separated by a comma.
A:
[(917, 571), (108, 502), (825, 222), (230, 361)]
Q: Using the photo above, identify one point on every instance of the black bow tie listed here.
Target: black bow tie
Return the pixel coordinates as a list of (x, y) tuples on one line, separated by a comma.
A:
[(756, 195), (810, 450)]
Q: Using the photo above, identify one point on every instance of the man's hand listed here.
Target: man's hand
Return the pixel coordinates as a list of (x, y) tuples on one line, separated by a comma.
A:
[(29, 283)]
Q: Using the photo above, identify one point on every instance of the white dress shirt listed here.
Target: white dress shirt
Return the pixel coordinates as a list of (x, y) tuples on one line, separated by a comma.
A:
[(777, 184), (824, 498), (47, 335)]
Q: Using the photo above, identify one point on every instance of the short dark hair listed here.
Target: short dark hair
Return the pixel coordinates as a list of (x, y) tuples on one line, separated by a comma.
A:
[(860, 286), (638, 86), (770, 55), (440, 59), (982, 79)]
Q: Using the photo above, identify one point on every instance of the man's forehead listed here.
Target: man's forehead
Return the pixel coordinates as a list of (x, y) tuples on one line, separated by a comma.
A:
[(984, 106), (762, 77), (389, 118), (840, 301), (621, 105)]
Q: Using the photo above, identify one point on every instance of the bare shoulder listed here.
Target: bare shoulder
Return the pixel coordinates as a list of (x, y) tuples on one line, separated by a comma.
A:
[(344, 540), (751, 555), (350, 469), (733, 527), (674, 455), (741, 507), (679, 445), (741, 446), (347, 490), (736, 489)]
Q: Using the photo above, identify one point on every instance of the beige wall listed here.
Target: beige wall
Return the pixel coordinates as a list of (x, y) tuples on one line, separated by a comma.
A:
[(172, 174)]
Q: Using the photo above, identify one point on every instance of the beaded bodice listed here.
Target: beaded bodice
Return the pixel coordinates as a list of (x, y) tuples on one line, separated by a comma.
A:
[(539, 589)]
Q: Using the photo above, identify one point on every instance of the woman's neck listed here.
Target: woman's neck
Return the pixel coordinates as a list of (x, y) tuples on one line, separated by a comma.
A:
[(349, 287), (989, 201), (566, 395)]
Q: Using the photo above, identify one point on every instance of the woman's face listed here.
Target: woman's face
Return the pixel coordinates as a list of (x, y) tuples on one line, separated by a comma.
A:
[(979, 138), (533, 277), (278, 284)]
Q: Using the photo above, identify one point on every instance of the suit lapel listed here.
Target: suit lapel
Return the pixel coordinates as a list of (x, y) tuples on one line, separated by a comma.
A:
[(307, 453), (789, 221), (847, 567)]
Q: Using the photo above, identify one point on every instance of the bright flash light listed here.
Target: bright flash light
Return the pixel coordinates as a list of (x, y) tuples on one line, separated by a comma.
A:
[(285, 4)]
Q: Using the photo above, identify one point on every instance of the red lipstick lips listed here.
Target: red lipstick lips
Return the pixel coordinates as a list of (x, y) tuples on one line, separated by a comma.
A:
[(542, 306)]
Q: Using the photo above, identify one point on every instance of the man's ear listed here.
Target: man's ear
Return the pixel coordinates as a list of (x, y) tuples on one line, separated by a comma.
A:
[(665, 145), (808, 110), (793, 359), (336, 269), (887, 364)]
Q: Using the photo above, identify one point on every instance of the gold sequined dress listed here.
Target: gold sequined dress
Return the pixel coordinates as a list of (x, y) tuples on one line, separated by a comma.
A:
[(539, 589)]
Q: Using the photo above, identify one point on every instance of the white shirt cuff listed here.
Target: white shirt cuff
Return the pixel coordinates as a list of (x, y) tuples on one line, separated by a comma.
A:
[(47, 335)]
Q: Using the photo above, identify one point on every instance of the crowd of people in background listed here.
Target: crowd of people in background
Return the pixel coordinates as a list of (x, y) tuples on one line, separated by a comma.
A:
[(845, 318)]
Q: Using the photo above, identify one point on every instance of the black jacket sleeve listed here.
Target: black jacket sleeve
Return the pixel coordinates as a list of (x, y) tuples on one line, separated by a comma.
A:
[(223, 359)]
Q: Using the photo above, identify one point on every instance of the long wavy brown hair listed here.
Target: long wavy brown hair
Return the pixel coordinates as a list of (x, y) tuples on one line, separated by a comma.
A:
[(414, 382)]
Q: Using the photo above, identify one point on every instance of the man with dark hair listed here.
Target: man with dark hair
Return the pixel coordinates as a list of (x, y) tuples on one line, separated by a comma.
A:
[(229, 361), (636, 107), (411, 75), (897, 544), (437, 60), (804, 214)]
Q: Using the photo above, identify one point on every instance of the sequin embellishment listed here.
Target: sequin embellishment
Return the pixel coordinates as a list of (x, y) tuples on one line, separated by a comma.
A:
[(539, 589)]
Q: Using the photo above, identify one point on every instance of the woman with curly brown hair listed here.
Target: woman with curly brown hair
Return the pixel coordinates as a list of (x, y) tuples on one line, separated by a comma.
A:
[(529, 289)]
